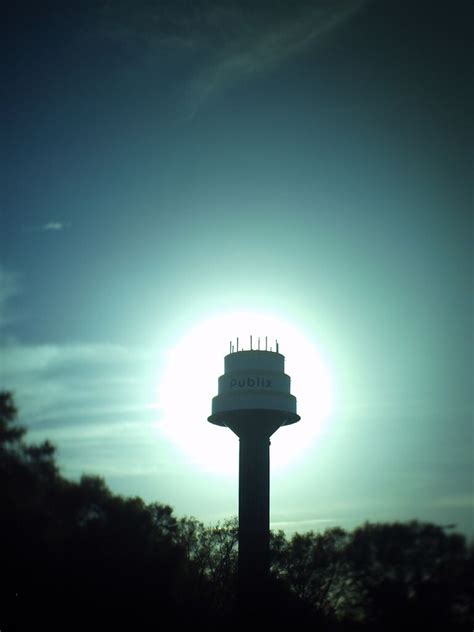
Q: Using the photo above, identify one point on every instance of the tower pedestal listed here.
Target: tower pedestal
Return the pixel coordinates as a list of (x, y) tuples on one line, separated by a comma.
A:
[(254, 400), (254, 510)]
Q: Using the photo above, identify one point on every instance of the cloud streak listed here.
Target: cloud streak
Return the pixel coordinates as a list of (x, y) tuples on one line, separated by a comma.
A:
[(231, 40), (9, 287), (94, 401), (265, 46), (456, 501), (53, 381), (53, 227)]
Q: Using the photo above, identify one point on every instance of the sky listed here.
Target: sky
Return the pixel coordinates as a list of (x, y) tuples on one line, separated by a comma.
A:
[(173, 168)]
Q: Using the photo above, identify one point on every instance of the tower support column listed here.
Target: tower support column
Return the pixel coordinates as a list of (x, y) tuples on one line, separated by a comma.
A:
[(254, 509), (253, 401)]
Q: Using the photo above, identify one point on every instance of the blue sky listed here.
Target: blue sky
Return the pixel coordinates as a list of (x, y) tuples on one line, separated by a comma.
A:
[(163, 164)]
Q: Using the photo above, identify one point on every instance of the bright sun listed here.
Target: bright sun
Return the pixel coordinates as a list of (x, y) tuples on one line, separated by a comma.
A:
[(189, 381)]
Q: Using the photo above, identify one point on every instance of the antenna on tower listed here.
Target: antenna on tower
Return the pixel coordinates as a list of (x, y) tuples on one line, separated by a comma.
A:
[(251, 348), (259, 344), (266, 343), (237, 344), (277, 345)]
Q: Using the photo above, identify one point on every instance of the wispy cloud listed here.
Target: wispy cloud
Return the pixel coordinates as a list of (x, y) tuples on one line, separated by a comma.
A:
[(53, 226), (73, 381), (93, 401), (9, 287), (264, 46), (231, 40), (84, 397), (456, 501), (306, 524)]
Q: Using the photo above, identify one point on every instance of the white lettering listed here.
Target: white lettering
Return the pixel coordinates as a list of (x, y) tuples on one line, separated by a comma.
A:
[(251, 382)]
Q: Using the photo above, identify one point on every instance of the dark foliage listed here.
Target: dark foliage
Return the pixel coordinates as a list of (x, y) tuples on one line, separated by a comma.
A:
[(75, 556)]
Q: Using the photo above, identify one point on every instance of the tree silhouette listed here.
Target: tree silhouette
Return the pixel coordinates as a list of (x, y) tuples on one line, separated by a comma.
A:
[(315, 567), (409, 572), (212, 553), (380, 575), (78, 547), (111, 562)]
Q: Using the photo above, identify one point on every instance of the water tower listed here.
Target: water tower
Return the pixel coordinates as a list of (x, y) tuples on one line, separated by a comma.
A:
[(254, 400)]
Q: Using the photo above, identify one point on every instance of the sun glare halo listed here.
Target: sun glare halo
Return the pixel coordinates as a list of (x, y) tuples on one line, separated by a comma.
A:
[(189, 381)]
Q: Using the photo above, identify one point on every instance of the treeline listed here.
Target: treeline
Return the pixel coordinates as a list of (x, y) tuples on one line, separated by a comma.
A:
[(75, 556)]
